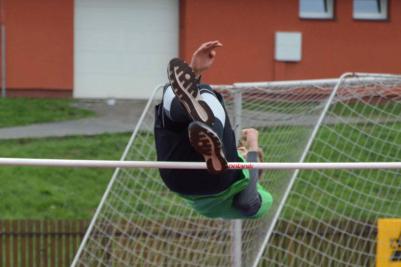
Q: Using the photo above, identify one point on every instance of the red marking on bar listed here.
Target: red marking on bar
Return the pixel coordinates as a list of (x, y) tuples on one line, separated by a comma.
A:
[(240, 166)]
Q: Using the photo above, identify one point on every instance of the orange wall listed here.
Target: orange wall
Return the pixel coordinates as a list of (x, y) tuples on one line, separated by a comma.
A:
[(39, 44), (329, 47)]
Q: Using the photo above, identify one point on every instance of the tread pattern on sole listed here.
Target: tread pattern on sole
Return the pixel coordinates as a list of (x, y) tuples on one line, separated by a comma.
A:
[(184, 85), (208, 144)]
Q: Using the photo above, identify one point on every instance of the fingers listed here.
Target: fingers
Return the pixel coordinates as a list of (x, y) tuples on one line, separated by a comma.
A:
[(209, 46), (250, 135), (207, 49), (243, 134), (213, 45), (248, 131), (212, 54)]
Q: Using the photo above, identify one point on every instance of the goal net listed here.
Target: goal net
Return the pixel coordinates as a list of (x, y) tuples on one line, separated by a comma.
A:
[(321, 218)]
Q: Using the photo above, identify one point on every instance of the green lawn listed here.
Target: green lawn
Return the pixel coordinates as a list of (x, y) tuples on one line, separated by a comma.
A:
[(23, 111), (384, 108), (59, 193), (359, 194), (65, 193), (56, 193)]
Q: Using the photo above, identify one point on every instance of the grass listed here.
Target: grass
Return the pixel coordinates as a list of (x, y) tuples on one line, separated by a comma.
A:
[(358, 194), (384, 108), (56, 193), (23, 111), (287, 107), (350, 109), (61, 193)]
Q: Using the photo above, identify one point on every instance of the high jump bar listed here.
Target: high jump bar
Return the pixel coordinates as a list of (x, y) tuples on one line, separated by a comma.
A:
[(195, 165)]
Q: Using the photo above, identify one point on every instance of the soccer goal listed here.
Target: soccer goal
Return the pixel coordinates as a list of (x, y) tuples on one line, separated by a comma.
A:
[(318, 218)]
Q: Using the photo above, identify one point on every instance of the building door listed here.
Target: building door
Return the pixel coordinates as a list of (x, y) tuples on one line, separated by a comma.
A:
[(121, 47)]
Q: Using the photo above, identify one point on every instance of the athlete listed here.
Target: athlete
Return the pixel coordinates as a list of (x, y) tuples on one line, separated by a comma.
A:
[(192, 125)]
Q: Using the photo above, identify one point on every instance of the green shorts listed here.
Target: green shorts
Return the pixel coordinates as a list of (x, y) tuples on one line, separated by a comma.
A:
[(221, 205)]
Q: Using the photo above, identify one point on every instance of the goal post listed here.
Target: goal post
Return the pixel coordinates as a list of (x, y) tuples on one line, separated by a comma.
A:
[(333, 222), (313, 220)]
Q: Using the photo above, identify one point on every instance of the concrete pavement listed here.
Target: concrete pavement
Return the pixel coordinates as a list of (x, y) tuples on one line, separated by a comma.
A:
[(124, 114), (120, 117)]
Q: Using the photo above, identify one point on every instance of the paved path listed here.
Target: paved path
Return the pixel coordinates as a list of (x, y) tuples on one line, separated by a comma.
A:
[(123, 116), (120, 117)]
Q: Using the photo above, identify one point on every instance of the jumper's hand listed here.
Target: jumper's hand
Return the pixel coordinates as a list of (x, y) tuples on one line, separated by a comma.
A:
[(250, 137), (204, 56), (249, 142)]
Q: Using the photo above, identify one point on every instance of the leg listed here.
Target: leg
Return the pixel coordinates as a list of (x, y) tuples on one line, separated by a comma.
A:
[(175, 111), (207, 143), (248, 201), (172, 107), (185, 87), (202, 105), (207, 139)]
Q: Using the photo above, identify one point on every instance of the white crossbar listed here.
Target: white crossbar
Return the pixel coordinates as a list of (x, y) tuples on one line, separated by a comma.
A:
[(195, 165)]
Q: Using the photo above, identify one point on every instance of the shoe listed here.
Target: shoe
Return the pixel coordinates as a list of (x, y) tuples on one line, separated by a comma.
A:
[(207, 143), (184, 85)]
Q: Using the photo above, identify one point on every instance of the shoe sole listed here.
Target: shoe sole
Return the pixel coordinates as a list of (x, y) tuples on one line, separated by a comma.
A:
[(206, 142), (184, 85)]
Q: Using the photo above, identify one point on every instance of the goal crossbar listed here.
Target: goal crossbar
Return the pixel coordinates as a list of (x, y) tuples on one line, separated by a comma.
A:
[(195, 165)]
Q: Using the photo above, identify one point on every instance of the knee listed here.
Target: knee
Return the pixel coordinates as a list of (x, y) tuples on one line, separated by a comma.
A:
[(248, 207)]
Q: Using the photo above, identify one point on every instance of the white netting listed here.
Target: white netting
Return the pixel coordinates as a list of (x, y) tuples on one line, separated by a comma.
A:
[(329, 218)]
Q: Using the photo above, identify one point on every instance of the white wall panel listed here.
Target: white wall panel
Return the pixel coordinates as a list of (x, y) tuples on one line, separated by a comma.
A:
[(121, 47)]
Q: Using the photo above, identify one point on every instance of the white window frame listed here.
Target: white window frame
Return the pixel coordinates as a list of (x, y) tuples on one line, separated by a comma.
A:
[(329, 14), (382, 15)]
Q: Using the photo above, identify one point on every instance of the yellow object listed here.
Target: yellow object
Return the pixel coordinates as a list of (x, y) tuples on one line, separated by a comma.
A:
[(388, 243)]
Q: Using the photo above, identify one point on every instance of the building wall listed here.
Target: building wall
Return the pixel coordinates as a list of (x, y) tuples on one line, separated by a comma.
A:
[(39, 45), (329, 47), (40, 42)]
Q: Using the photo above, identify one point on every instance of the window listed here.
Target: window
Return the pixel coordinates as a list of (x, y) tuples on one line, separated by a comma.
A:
[(370, 9), (316, 9)]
